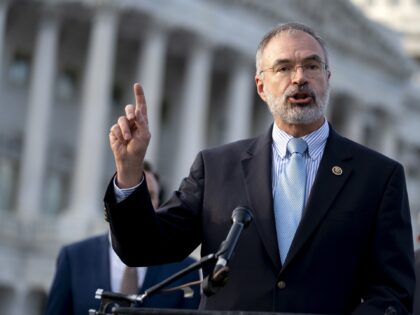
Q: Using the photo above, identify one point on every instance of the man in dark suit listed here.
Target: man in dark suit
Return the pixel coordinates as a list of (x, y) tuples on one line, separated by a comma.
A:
[(85, 266), (343, 245)]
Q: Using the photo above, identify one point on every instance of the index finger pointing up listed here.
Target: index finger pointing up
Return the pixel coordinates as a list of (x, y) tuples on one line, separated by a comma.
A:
[(139, 95), (140, 100)]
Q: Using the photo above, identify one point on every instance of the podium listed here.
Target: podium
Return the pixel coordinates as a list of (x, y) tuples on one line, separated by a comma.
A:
[(156, 311), (120, 304)]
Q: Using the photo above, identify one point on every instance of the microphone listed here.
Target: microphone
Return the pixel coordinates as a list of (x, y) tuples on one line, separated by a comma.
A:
[(241, 218)]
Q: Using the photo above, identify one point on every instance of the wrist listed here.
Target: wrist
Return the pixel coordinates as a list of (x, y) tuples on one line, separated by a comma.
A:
[(128, 178)]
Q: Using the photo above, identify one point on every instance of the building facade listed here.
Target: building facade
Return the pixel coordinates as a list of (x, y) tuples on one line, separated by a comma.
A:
[(66, 72), (402, 16)]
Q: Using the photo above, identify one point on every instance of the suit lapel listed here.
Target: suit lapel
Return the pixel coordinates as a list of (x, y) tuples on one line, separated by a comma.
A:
[(326, 187), (258, 182)]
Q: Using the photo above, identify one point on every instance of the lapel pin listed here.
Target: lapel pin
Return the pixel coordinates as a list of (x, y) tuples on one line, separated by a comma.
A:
[(337, 170)]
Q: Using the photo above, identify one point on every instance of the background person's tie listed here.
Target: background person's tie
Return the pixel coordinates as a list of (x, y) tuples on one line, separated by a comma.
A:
[(129, 283), (289, 196)]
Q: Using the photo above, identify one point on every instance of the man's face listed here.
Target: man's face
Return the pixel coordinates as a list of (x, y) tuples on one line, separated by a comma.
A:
[(295, 93)]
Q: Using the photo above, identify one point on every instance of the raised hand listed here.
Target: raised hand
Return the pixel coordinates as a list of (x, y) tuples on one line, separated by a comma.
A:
[(129, 139)]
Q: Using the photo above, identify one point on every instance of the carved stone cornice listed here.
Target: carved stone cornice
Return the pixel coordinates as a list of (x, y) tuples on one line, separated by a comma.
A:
[(353, 33)]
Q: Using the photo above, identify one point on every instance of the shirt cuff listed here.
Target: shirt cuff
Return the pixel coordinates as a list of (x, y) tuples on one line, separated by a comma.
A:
[(122, 193)]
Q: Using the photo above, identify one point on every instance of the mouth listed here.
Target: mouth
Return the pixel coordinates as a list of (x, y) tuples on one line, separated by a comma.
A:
[(300, 98)]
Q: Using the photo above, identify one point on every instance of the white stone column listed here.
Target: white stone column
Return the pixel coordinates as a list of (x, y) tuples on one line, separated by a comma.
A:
[(196, 94), (87, 191), (240, 100), (36, 137), (151, 73)]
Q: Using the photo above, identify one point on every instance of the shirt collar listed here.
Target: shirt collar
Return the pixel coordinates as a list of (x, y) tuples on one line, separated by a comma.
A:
[(316, 140)]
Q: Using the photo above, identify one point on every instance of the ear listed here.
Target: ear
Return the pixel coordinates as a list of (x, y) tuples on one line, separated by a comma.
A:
[(260, 87)]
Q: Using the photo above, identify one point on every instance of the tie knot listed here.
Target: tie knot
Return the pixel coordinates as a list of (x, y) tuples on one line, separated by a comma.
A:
[(297, 145)]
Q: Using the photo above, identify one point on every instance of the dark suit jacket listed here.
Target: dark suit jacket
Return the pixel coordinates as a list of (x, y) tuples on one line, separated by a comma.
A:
[(84, 267), (354, 241), (416, 310)]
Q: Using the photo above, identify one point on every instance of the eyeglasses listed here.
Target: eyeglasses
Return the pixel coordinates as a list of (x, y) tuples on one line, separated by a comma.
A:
[(312, 68)]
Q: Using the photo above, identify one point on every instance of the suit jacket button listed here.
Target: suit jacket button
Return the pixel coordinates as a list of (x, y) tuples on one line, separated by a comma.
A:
[(281, 284)]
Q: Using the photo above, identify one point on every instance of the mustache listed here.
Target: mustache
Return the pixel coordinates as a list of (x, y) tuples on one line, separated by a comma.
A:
[(292, 90)]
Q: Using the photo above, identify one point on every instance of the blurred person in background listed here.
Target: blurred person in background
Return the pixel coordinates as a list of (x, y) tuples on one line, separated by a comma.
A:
[(87, 265)]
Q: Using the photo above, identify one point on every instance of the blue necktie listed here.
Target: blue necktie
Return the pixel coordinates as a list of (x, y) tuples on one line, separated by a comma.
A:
[(289, 196)]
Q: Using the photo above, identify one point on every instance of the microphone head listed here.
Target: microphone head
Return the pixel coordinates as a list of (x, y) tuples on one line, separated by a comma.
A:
[(242, 215)]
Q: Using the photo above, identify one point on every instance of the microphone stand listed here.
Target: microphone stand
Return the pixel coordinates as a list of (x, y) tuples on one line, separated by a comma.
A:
[(108, 298), (241, 218), (158, 287)]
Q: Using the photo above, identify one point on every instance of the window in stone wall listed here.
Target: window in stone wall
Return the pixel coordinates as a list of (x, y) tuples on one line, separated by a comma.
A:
[(35, 301), (7, 178), (7, 295), (374, 120), (53, 194), (370, 134), (19, 69), (409, 156), (117, 96), (66, 85), (10, 156), (411, 162), (57, 179)]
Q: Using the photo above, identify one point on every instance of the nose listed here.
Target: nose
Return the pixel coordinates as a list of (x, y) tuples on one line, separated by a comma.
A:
[(298, 76)]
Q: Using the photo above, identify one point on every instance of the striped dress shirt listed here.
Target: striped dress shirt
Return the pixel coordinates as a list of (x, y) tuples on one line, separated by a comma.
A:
[(316, 145)]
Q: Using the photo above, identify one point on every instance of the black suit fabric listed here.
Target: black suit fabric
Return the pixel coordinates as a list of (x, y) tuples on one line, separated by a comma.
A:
[(353, 243), (416, 310)]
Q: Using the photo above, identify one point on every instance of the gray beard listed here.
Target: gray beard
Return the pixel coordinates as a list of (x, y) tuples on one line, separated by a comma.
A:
[(295, 114)]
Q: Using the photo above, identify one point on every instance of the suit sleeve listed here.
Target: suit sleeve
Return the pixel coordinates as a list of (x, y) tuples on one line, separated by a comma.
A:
[(60, 296), (390, 268), (167, 235)]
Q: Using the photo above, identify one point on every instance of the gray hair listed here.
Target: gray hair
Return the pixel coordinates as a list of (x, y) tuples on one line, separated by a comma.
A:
[(289, 27)]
